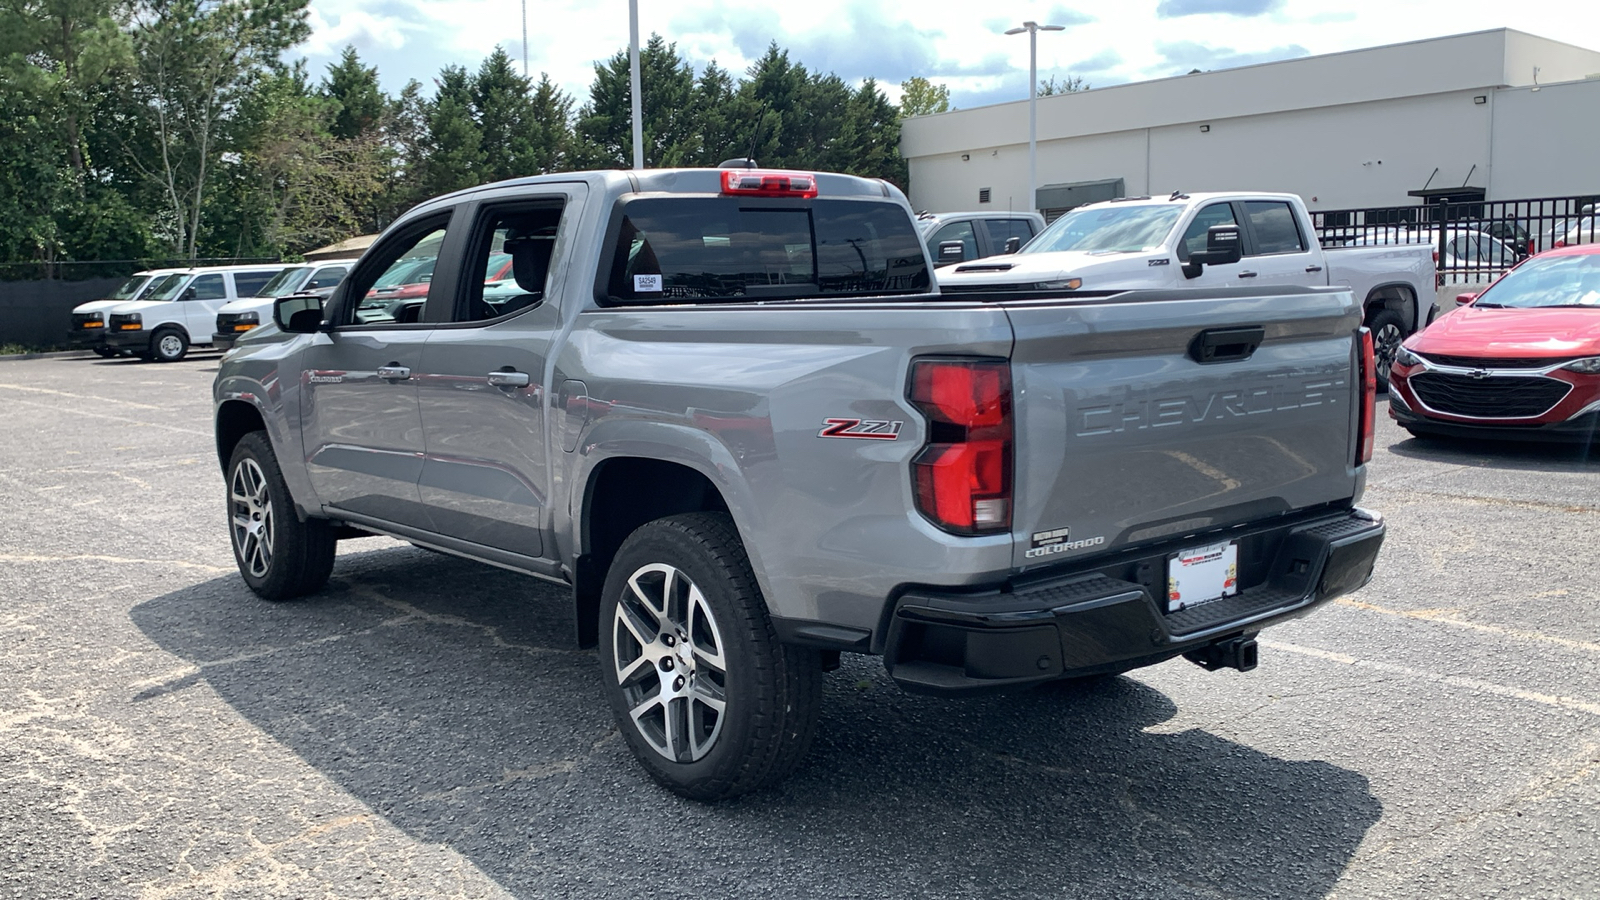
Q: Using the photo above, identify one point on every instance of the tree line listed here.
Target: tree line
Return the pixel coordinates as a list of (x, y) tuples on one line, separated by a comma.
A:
[(142, 129)]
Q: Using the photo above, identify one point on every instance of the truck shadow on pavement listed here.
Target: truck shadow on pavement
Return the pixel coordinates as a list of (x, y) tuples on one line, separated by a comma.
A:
[(444, 695), (1541, 456)]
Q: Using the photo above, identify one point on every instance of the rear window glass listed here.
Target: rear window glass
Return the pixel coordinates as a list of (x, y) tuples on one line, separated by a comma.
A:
[(684, 249)]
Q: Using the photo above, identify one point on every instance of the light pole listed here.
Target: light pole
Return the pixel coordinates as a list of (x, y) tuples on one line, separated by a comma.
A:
[(1033, 29), (633, 77)]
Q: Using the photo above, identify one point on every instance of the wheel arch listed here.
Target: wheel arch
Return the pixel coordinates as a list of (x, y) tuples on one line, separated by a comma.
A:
[(1398, 296), (234, 420), (620, 494)]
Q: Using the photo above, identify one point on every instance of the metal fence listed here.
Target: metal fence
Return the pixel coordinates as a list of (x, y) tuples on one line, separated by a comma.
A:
[(1474, 241), (73, 270)]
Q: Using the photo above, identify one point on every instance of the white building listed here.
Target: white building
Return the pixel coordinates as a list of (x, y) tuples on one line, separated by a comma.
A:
[(1497, 114)]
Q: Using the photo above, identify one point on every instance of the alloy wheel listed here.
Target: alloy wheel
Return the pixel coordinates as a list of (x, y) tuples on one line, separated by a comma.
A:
[(669, 662), (252, 517), (1386, 345)]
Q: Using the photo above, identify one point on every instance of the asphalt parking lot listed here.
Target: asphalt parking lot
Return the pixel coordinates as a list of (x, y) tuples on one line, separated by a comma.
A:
[(423, 729)]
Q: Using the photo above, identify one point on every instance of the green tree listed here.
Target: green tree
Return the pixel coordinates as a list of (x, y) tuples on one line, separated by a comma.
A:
[(921, 97), (549, 129), (355, 88), (503, 107), (1071, 84), (451, 153), (671, 124), (197, 59)]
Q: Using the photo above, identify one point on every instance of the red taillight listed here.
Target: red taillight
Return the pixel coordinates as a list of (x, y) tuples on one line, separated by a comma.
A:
[(963, 475), (1369, 400), (755, 183)]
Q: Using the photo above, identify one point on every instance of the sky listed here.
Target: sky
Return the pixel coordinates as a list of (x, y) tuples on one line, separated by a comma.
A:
[(961, 45)]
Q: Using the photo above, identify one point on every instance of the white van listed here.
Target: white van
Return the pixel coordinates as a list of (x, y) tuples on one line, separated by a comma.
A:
[(180, 313), (89, 319), (247, 313)]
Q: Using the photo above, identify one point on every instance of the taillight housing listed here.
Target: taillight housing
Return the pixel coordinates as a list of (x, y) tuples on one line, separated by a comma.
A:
[(1365, 429), (963, 474), (764, 183)]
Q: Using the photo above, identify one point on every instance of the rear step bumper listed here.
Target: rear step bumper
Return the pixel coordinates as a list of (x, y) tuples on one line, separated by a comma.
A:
[(1088, 624)]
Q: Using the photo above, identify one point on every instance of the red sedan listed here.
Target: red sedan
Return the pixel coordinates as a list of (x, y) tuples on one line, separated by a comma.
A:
[(1519, 361)]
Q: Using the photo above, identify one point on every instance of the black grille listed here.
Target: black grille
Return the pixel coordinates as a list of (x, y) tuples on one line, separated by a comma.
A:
[(1493, 362), (1511, 397)]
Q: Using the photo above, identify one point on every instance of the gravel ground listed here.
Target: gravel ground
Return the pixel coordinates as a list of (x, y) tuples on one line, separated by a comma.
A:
[(423, 728)]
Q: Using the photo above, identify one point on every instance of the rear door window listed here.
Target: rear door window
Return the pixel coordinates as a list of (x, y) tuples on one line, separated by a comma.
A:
[(1274, 227), (1002, 230), (694, 249)]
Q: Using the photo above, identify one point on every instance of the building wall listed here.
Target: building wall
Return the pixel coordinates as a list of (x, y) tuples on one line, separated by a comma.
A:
[(1546, 143), (1349, 129)]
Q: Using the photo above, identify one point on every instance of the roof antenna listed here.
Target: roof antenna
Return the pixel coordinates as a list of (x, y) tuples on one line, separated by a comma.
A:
[(1178, 195), (747, 161)]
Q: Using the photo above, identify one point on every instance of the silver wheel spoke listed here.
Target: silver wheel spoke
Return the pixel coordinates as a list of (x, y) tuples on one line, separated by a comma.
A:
[(676, 684)]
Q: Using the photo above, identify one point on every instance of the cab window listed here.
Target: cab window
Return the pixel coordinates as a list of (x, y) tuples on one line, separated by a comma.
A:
[(207, 287), (955, 231), (1273, 225), (391, 286), (1194, 237), (249, 284)]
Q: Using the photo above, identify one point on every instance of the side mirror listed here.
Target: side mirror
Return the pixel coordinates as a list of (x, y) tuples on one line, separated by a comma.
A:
[(298, 314), (1013, 244), (189, 293), (951, 252), (1464, 299), (1222, 248)]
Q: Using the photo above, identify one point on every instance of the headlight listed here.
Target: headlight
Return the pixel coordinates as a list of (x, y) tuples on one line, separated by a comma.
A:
[(1404, 357), (1064, 284), (1590, 366), (246, 321), (131, 322)]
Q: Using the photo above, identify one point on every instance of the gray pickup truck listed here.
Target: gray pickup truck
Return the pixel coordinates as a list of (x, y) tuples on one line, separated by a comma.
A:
[(729, 411)]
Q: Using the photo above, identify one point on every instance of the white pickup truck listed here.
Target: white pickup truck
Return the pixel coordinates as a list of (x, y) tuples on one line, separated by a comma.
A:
[(1143, 242)]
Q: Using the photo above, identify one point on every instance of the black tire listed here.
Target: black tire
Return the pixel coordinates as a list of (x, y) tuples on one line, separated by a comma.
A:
[(771, 692), (1388, 330), (279, 556), (106, 352), (169, 345)]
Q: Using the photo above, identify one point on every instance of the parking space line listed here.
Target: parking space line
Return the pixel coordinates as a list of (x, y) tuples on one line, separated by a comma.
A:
[(1434, 615), (80, 412), (1460, 681), (40, 390), (87, 557)]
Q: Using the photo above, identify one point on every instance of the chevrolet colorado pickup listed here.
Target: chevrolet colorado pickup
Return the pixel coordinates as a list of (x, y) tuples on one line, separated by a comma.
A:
[(728, 410), (1145, 242)]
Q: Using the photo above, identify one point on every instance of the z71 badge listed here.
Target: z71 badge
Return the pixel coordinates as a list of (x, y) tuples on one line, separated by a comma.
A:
[(863, 429)]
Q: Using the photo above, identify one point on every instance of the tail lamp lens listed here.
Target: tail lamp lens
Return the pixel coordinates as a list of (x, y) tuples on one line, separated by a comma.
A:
[(963, 474), (1369, 400)]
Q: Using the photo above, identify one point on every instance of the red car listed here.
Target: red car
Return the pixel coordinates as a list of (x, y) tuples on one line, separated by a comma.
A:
[(1519, 361)]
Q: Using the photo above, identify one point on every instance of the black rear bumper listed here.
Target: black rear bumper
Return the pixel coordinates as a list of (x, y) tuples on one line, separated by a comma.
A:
[(1092, 623)]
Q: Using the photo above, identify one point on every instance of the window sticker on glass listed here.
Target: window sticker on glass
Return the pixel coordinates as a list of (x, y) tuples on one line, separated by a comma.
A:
[(644, 283)]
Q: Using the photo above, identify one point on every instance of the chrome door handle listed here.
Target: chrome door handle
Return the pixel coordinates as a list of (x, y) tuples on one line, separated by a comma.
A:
[(394, 372), (508, 379), (1247, 274), (1313, 268)]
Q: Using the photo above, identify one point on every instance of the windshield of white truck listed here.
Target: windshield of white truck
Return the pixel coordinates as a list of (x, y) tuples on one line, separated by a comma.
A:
[(129, 288), (168, 288), (1108, 229), (286, 282), (686, 249)]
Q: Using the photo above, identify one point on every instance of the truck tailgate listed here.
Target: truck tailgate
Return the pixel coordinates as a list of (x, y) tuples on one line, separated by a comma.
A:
[(1125, 437)]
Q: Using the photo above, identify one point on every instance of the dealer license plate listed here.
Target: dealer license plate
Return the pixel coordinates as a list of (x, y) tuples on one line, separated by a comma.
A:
[(1201, 575)]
